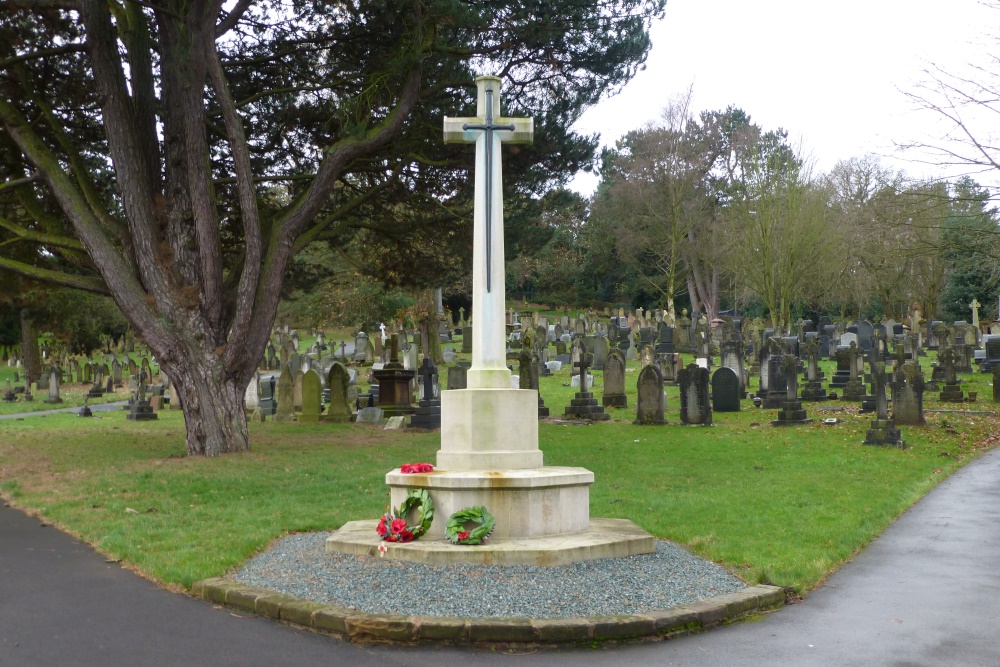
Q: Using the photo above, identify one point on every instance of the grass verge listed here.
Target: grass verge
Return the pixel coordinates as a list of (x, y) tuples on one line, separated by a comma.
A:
[(776, 505)]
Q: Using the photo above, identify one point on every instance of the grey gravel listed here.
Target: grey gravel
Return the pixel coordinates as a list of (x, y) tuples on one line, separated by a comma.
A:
[(298, 565)]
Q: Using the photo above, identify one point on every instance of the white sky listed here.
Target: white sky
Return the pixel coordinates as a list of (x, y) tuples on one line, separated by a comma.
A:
[(831, 74)]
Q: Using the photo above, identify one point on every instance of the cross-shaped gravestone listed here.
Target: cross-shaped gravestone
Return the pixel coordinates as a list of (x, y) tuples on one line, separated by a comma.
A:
[(427, 372), (586, 361), (975, 305), (488, 130)]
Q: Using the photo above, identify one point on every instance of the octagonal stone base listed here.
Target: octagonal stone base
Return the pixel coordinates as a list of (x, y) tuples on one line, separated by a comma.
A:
[(603, 538), (525, 503)]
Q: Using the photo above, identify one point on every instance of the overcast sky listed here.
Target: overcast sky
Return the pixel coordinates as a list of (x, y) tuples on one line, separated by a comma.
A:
[(832, 74)]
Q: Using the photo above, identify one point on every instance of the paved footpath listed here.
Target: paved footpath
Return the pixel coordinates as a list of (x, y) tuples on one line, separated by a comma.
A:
[(926, 593), (97, 407)]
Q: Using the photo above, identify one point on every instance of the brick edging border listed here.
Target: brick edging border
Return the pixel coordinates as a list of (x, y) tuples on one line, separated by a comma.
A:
[(356, 625)]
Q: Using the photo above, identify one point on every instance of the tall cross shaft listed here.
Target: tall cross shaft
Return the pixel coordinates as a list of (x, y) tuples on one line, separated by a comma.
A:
[(487, 130)]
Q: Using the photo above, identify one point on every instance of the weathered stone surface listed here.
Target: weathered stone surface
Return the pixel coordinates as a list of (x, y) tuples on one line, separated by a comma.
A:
[(667, 621), (270, 605), (560, 630), (622, 625), (442, 628), (332, 618), (381, 626), (300, 612), (501, 630)]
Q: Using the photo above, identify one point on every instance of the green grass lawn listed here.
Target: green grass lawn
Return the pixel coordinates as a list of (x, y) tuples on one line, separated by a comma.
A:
[(780, 505)]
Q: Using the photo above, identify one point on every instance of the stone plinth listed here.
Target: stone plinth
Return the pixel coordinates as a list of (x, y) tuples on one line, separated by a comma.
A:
[(427, 415), (394, 390), (486, 429), (141, 411), (603, 538), (814, 391), (585, 406), (952, 393), (884, 433), (855, 391), (791, 414), (525, 503)]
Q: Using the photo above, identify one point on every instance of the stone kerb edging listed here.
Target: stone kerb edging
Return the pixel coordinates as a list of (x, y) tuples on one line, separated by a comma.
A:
[(361, 626)]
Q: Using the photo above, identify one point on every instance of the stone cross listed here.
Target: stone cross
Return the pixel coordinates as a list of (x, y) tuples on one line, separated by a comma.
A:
[(791, 377), (488, 130), (427, 373), (586, 361), (879, 381), (975, 305)]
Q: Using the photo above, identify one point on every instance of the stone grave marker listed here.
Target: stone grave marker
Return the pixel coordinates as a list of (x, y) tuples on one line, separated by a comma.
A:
[(725, 390), (285, 396), (310, 397), (54, 377), (883, 431), (268, 403), (695, 405), (395, 423), (428, 412), (614, 380), (337, 381), (651, 401)]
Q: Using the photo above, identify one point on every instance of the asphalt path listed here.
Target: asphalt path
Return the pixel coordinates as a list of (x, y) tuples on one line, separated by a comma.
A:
[(925, 593), (99, 407)]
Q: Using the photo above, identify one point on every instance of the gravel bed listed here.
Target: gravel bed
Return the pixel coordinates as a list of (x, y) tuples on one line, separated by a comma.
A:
[(298, 565)]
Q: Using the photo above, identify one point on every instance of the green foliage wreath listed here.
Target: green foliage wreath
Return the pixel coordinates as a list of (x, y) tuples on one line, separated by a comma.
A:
[(455, 530)]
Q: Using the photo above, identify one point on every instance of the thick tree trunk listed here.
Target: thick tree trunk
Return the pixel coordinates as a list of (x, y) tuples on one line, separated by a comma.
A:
[(29, 349), (214, 410)]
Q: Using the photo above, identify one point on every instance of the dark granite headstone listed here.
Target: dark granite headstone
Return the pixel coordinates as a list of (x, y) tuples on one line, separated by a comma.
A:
[(695, 406), (725, 390)]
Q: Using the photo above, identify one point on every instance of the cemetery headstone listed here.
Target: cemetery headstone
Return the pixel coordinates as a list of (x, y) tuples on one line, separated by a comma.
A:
[(614, 380), (310, 397), (908, 395), (428, 412), (791, 412), (725, 390), (883, 431), (651, 402), (584, 405), (694, 389), (285, 395), (952, 391), (140, 409), (54, 377), (337, 381)]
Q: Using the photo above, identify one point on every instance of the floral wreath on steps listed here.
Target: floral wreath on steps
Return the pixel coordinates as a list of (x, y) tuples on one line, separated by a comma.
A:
[(456, 533), (392, 527)]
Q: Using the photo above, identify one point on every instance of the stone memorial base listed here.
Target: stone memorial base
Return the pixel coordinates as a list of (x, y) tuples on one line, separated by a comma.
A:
[(614, 401), (603, 538), (884, 433), (791, 414), (814, 391), (585, 406), (427, 415), (485, 429), (855, 391), (141, 411), (775, 399), (952, 393), (532, 502)]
